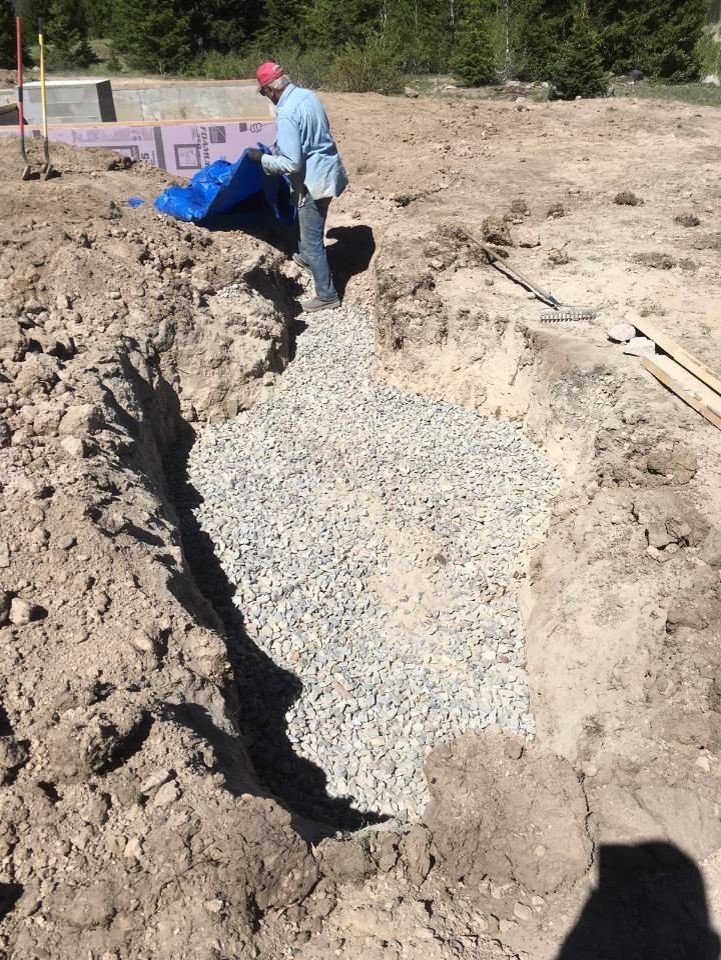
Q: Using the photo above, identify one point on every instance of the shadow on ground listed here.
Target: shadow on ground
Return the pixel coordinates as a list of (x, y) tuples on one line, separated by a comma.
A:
[(650, 904), (349, 254), (266, 691)]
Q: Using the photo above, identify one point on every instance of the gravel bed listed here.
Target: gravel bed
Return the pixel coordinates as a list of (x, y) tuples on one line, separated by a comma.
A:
[(376, 541)]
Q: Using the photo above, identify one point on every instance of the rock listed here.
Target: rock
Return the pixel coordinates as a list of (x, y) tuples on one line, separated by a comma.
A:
[(495, 230), (555, 211), (640, 347), (558, 257), (78, 747), (621, 333), (13, 756), (528, 239), (133, 849), (345, 861), (167, 794), (82, 419), (5, 433), (214, 906), (679, 464), (710, 551), (523, 912), (479, 794), (155, 780), (712, 80), (20, 612), (410, 92), (416, 853), (681, 615), (74, 447)]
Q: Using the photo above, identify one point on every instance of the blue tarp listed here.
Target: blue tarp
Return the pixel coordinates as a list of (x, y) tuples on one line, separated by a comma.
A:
[(221, 186)]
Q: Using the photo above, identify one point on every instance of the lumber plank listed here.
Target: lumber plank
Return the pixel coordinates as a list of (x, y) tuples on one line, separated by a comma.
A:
[(686, 386), (681, 356)]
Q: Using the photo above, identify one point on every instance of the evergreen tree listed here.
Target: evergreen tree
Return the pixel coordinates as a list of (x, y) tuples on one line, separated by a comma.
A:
[(332, 24), (7, 36), (472, 61), (579, 71), (66, 34), (223, 25), (281, 24), (673, 29), (152, 35), (30, 10), (418, 33), (543, 26), (659, 37)]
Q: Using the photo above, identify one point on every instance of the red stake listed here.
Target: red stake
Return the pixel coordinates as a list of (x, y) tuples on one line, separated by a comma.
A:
[(21, 112)]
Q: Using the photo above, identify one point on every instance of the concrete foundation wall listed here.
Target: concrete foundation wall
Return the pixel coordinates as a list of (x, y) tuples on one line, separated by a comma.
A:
[(71, 101), (188, 100)]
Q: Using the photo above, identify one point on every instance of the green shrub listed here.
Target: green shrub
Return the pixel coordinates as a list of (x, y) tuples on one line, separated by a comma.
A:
[(579, 71), (364, 70)]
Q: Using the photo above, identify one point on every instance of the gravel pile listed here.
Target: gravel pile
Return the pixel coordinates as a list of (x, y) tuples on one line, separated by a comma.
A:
[(375, 539)]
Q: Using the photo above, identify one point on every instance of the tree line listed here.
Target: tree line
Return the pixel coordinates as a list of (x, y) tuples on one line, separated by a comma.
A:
[(479, 41)]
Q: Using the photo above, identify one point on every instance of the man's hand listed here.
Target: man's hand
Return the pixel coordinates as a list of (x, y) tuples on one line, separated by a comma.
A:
[(254, 154)]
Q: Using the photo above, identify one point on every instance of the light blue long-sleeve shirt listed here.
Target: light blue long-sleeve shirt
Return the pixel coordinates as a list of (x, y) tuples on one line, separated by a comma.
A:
[(304, 147)]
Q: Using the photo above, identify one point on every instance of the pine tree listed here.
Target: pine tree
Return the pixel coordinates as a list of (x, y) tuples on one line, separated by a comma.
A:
[(659, 37), (543, 27), (65, 34), (152, 35), (579, 71), (7, 35), (673, 29), (281, 24), (418, 33), (332, 24), (472, 61)]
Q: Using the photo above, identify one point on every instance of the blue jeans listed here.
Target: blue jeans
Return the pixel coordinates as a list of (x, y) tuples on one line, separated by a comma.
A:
[(311, 249)]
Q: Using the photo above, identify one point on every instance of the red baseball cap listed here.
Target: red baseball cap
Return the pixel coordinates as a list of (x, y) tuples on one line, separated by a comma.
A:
[(268, 72)]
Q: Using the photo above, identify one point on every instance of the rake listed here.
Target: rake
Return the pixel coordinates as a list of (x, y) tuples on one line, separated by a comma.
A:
[(559, 312)]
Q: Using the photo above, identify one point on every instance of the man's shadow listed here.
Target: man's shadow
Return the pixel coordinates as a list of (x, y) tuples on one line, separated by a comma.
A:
[(650, 904), (349, 254)]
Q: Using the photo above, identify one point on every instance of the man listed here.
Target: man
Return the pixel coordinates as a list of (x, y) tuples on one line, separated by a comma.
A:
[(306, 152)]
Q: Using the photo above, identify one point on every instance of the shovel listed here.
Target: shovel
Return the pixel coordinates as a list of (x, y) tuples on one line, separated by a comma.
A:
[(47, 167), (21, 113)]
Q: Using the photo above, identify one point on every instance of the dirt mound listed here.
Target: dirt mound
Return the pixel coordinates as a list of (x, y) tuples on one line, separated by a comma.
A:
[(117, 698)]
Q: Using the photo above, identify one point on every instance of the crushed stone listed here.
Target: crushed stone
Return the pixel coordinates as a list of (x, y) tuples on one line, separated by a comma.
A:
[(376, 540)]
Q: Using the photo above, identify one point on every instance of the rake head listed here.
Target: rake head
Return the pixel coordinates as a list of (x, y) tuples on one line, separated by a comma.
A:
[(568, 314)]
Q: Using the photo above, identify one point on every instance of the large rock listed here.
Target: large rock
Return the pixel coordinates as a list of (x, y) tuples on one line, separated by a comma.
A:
[(503, 809)]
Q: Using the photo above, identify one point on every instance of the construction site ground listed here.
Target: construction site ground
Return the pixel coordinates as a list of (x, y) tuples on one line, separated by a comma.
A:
[(136, 820)]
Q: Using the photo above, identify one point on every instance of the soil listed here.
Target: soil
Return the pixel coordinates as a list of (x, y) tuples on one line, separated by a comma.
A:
[(132, 823)]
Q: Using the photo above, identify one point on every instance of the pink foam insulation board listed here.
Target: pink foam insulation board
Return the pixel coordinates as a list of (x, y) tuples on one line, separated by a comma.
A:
[(180, 148)]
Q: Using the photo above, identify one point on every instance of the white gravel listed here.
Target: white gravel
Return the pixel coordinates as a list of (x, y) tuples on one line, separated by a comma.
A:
[(376, 539)]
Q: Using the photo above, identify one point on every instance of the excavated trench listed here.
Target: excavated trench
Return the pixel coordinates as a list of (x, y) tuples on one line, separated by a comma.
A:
[(365, 548)]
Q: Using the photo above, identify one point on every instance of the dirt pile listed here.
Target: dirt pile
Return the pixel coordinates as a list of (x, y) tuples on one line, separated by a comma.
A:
[(132, 823), (623, 598)]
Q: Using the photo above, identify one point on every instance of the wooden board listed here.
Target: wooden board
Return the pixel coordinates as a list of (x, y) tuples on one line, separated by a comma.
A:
[(686, 386), (681, 356)]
